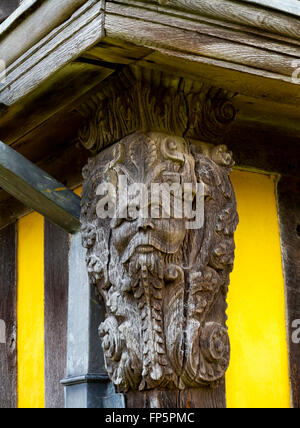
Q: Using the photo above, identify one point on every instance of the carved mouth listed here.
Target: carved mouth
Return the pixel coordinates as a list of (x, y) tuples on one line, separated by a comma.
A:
[(150, 243), (144, 249)]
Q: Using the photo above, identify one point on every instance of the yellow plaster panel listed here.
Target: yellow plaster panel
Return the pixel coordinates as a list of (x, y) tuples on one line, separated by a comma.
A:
[(31, 312), (258, 375)]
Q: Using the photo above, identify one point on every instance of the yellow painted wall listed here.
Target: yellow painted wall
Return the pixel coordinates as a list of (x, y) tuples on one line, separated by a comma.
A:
[(31, 312), (258, 375)]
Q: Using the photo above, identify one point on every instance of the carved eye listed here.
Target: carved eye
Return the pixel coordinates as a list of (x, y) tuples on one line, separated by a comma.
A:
[(172, 145), (171, 178), (119, 220)]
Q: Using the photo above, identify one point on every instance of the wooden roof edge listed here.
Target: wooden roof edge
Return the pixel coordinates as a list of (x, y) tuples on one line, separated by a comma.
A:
[(255, 42), (30, 22)]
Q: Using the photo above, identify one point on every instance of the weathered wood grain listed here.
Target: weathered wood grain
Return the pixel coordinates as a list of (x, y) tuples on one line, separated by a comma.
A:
[(27, 21), (66, 164), (274, 40), (223, 30), (201, 398), (38, 190), (153, 34), (226, 10), (288, 194), (8, 318), (56, 50), (251, 82), (52, 146), (56, 312)]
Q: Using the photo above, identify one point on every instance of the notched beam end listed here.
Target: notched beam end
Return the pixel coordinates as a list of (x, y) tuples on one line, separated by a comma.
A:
[(38, 190)]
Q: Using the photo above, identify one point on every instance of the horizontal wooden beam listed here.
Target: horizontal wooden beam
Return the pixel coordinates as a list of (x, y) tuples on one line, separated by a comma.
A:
[(38, 190), (27, 19), (52, 53)]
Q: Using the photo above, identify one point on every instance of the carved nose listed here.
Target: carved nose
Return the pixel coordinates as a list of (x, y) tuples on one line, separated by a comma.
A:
[(145, 224)]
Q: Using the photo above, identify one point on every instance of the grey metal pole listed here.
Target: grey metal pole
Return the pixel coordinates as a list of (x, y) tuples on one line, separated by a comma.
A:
[(87, 384)]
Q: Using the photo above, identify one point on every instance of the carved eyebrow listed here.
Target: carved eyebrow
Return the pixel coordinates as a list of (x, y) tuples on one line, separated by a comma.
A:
[(175, 177)]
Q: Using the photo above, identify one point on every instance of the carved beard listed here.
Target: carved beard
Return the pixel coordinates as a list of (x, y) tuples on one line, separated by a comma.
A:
[(147, 263), (149, 273)]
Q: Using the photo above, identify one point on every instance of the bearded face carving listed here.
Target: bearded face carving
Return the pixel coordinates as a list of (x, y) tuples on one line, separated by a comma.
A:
[(159, 277)]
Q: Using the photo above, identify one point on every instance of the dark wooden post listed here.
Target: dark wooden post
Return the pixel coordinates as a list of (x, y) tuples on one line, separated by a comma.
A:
[(56, 255), (288, 194), (8, 318), (163, 279)]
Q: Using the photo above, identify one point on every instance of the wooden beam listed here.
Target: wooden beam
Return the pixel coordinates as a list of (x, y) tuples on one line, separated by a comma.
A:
[(27, 19), (62, 45), (56, 313), (38, 190)]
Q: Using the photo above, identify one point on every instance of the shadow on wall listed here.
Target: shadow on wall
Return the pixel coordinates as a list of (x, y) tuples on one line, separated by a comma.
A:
[(7, 7)]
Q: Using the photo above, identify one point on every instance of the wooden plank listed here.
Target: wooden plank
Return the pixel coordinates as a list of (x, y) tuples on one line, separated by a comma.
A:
[(288, 194), (56, 313), (26, 20), (237, 78), (64, 44), (227, 11), (66, 164), (205, 26), (134, 28), (8, 318), (38, 190)]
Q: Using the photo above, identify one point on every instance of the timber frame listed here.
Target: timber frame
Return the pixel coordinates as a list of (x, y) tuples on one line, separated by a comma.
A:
[(249, 48)]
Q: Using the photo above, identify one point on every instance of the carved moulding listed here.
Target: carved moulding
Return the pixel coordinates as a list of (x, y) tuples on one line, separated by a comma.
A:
[(137, 100), (161, 281)]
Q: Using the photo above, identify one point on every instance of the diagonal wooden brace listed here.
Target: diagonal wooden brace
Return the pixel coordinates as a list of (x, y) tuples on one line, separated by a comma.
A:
[(38, 190)]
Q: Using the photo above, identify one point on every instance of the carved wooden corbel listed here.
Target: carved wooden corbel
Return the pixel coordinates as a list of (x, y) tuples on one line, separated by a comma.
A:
[(164, 284)]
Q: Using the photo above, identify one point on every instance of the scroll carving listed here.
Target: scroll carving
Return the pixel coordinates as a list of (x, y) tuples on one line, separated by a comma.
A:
[(161, 280), (135, 100)]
